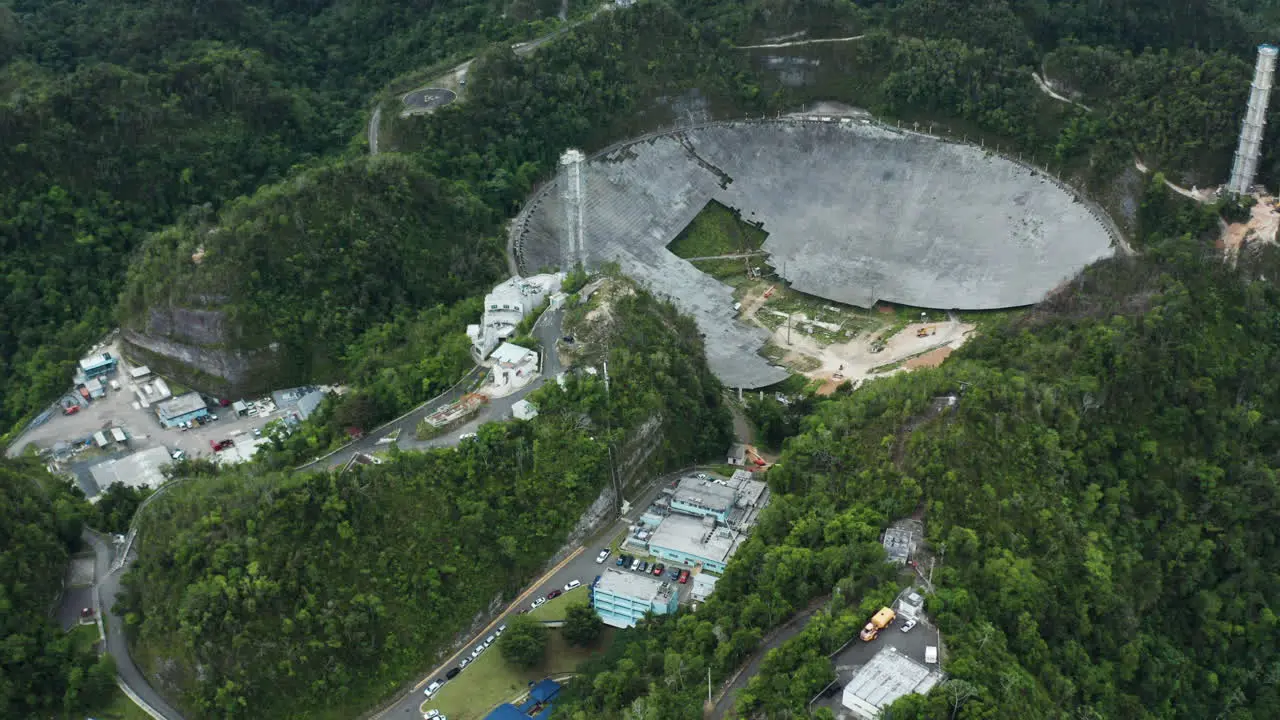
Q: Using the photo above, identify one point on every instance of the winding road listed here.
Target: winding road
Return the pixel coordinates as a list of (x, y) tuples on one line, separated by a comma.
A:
[(107, 583)]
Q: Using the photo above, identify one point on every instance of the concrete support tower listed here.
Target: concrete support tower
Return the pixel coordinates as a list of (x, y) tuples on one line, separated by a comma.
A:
[(1255, 118), (571, 247)]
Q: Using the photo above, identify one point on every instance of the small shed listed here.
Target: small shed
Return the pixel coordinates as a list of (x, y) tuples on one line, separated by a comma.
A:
[(118, 435), (524, 410)]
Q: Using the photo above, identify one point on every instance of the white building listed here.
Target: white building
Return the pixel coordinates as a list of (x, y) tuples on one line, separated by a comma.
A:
[(505, 306), (888, 676), (141, 469), (524, 410)]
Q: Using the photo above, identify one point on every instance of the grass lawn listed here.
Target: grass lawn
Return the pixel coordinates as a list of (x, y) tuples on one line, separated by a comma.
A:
[(558, 608), (717, 230), (84, 636), (491, 681), (121, 708)]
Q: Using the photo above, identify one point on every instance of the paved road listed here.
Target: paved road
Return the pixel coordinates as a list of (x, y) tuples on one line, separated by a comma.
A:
[(579, 566), (775, 639), (108, 585), (547, 331)]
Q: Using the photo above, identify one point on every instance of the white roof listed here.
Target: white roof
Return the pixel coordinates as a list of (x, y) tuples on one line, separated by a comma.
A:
[(92, 384), (703, 585), (140, 372), (685, 534), (888, 676), (136, 470), (509, 354), (180, 405), (118, 434), (629, 584)]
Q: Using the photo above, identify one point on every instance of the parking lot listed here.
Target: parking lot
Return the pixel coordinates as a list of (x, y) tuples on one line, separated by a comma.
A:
[(120, 408), (848, 661)]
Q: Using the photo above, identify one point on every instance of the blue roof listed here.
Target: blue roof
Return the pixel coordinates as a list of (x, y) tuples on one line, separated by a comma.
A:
[(544, 691), (506, 711)]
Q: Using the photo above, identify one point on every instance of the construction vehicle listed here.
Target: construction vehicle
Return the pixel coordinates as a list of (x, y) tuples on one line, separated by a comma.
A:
[(879, 621), (926, 332)]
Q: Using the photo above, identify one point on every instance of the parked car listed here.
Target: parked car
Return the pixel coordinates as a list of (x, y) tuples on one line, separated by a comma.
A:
[(596, 581), (684, 577), (465, 662), (657, 569), (622, 560), (604, 555), (432, 688), (501, 629), (489, 640), (906, 627), (452, 673), (675, 573), (635, 564), (431, 715), (537, 603), (178, 455), (218, 445), (554, 594), (479, 649), (572, 584), (644, 566), (71, 410)]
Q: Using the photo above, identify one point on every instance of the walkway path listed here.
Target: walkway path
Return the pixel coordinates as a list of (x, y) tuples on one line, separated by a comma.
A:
[(1045, 87), (1201, 196), (375, 123), (795, 43), (733, 256)]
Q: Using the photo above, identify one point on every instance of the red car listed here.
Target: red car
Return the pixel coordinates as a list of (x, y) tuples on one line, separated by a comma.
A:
[(657, 569), (684, 576), (220, 444), (71, 410), (553, 594)]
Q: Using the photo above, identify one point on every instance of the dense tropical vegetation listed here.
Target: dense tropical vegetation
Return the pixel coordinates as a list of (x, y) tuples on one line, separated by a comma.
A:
[(44, 672), (313, 595), (1103, 489)]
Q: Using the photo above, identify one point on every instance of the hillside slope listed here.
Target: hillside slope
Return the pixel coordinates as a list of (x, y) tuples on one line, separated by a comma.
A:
[(1105, 491), (271, 292), (314, 595)]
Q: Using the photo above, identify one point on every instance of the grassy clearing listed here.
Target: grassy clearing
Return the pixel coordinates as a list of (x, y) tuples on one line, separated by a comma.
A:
[(558, 608), (491, 681), (121, 708), (85, 637), (717, 230)]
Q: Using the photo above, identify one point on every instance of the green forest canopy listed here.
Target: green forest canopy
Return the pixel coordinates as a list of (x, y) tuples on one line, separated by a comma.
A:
[(315, 595)]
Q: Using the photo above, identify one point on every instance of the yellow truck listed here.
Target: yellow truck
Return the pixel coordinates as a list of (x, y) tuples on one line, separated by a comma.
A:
[(879, 621)]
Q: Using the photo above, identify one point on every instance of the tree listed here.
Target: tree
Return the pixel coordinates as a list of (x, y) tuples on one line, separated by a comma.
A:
[(524, 642), (582, 626)]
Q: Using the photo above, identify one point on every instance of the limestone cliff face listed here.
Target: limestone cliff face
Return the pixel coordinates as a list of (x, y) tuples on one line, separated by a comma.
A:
[(196, 348)]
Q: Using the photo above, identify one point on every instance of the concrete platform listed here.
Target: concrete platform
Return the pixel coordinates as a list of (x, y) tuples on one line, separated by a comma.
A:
[(855, 212)]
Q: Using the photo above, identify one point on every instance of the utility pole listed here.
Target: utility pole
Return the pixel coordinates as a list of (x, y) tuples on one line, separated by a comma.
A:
[(788, 328)]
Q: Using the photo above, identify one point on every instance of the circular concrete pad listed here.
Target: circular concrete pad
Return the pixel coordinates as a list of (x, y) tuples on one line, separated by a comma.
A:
[(428, 99)]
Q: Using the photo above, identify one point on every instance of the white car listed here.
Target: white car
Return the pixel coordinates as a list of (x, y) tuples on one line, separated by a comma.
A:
[(537, 603), (501, 629), (178, 454), (466, 436), (465, 662), (431, 714), (906, 627), (432, 688), (572, 584), (489, 640), (604, 555), (635, 564), (479, 649)]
